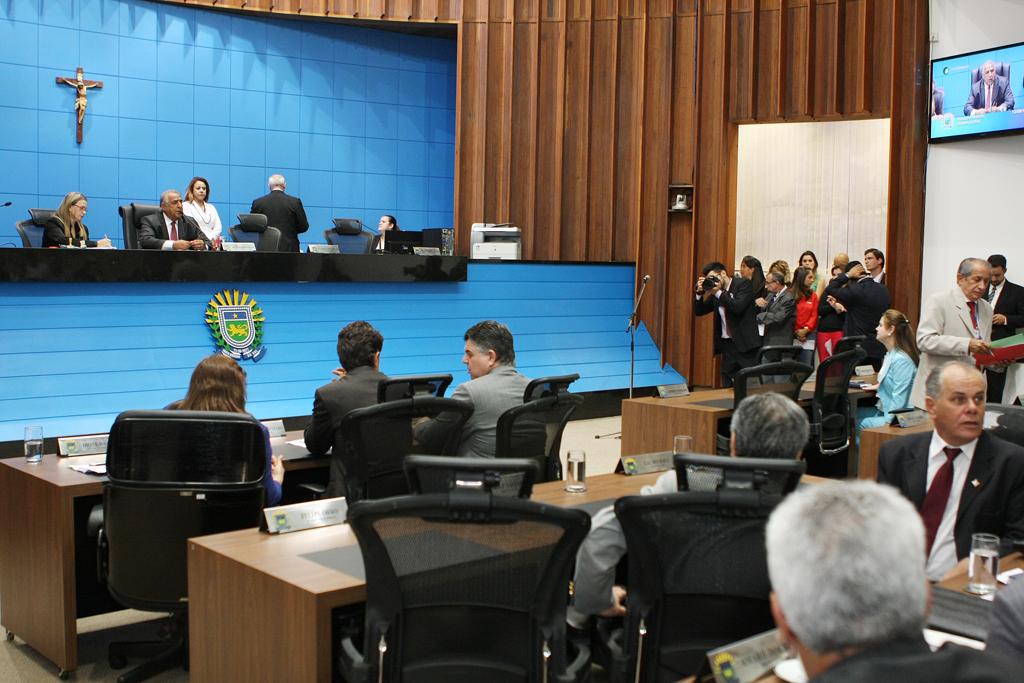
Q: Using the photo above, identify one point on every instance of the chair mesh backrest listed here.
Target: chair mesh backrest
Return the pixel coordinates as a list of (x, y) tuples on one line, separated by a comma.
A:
[(548, 386), (691, 554), (831, 410), (441, 474), (849, 343), (30, 233), (770, 354), (409, 386), (359, 243), (466, 587), (131, 217), (534, 430), (784, 377), (372, 443), (705, 473)]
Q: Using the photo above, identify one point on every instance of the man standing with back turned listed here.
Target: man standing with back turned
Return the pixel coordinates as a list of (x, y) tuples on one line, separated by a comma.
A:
[(283, 212)]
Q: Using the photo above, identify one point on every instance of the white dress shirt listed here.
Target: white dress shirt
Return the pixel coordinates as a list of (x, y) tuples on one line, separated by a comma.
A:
[(169, 243), (943, 555), (207, 218)]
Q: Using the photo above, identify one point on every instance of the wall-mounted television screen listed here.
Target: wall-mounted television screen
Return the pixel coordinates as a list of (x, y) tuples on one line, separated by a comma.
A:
[(978, 93)]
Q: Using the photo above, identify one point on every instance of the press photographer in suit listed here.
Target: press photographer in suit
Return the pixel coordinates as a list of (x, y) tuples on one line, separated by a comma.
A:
[(1007, 301), (731, 299)]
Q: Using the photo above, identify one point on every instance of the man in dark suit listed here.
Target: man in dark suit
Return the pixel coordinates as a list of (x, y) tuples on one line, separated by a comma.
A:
[(778, 311), (849, 592), (989, 93), (359, 346), (731, 299), (1007, 301), (171, 229), (962, 480), (864, 301), (283, 212)]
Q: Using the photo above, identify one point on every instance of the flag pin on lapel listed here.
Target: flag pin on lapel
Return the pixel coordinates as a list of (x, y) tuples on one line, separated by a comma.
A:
[(975, 483)]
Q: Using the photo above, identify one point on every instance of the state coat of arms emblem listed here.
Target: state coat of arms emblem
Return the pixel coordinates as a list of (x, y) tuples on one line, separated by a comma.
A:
[(236, 324)]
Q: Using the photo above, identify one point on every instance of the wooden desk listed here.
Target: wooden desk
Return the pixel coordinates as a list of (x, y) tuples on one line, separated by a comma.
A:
[(47, 561), (871, 441), (260, 607), (959, 582)]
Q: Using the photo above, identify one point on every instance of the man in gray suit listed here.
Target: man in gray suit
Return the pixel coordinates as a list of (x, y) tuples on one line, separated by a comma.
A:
[(990, 93), (954, 325), (778, 312), (359, 346), (494, 386)]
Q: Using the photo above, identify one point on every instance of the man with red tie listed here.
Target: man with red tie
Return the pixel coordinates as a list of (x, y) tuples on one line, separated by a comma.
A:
[(962, 480), (954, 325), (990, 92), (171, 229)]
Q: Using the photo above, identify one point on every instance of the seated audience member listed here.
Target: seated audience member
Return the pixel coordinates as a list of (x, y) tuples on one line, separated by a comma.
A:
[(731, 300), (849, 592), (386, 224), (896, 377), (359, 347), (767, 425), (864, 301), (954, 324), (961, 479), (283, 212), (831, 320), (65, 227), (198, 207), (218, 383), (494, 386), (171, 228), (874, 263), (778, 312), (781, 266), (806, 312), (1006, 626)]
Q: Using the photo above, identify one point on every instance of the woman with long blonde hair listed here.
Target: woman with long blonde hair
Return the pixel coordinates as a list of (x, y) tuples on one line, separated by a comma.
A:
[(218, 383), (66, 229)]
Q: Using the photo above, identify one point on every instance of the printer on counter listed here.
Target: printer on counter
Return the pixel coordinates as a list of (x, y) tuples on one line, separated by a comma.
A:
[(495, 241)]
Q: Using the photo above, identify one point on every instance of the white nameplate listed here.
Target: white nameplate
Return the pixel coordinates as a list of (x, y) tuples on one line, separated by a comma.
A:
[(285, 518), (749, 659), (426, 251), (82, 445), (275, 427), (673, 390), (863, 371), (238, 246), (324, 249), (911, 419), (645, 463)]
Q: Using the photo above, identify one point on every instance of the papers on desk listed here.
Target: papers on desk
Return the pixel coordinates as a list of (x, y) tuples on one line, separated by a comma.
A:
[(937, 639), (301, 443), (91, 468)]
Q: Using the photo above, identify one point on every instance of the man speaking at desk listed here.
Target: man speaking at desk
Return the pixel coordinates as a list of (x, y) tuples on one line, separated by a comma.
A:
[(171, 229), (991, 93), (283, 212)]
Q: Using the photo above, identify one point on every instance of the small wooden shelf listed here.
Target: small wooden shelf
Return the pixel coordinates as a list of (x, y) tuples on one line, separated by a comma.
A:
[(680, 198)]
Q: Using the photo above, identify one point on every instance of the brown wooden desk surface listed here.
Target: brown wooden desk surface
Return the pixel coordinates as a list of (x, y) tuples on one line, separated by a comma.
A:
[(38, 599)]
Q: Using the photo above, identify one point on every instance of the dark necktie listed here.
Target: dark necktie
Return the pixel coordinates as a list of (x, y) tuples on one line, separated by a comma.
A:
[(991, 294), (174, 233), (936, 498), (974, 315)]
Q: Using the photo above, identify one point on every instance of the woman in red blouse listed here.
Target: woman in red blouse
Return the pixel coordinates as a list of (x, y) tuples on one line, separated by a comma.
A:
[(806, 313)]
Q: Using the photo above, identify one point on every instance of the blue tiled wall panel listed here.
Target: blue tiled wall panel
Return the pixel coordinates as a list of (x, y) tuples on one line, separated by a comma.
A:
[(565, 318), (198, 91)]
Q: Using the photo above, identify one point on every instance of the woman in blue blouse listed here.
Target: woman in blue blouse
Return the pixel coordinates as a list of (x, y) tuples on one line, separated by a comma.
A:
[(896, 377)]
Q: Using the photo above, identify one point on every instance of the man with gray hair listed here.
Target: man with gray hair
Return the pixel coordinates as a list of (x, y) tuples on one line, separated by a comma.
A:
[(961, 479), (989, 93), (283, 212), (849, 592), (171, 229), (954, 324), (494, 386), (767, 425)]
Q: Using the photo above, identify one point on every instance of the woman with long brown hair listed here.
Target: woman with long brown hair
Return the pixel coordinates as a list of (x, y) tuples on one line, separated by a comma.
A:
[(806, 313), (65, 227), (218, 383), (896, 376)]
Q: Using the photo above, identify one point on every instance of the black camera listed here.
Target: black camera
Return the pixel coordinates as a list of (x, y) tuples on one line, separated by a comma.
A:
[(710, 282)]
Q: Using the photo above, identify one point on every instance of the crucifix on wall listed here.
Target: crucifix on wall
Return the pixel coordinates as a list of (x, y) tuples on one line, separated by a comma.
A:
[(81, 86)]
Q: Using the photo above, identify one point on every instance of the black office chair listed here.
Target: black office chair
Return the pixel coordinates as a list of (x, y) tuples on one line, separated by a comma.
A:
[(466, 586), (771, 354), (252, 227), (408, 386), (173, 475), (131, 217), (31, 231), (548, 386), (699, 472), (534, 430), (832, 412), (688, 591), (372, 442), (849, 343), (350, 235), (441, 474), (784, 377)]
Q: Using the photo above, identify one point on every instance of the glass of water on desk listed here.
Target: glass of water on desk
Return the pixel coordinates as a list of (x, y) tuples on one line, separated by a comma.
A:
[(576, 472), (33, 443), (983, 564)]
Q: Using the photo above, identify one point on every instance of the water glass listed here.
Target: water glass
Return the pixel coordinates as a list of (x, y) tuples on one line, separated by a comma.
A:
[(576, 472), (983, 564), (682, 443), (33, 443)]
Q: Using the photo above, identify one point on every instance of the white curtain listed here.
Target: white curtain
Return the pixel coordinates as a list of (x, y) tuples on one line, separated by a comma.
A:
[(818, 186)]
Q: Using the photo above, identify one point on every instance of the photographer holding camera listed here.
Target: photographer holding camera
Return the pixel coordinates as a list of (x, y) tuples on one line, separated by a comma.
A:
[(732, 300)]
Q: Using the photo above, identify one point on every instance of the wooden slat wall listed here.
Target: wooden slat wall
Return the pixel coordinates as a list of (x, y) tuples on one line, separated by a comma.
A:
[(574, 116)]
